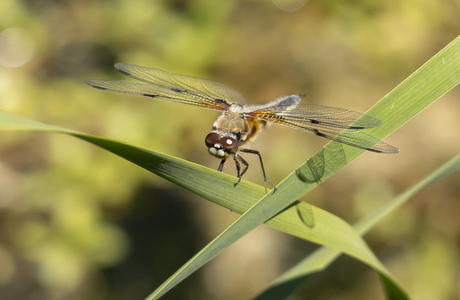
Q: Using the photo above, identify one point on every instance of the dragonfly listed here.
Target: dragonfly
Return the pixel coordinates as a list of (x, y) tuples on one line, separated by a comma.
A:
[(240, 123)]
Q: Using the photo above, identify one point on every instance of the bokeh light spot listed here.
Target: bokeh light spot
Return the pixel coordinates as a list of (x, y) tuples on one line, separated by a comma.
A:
[(16, 47)]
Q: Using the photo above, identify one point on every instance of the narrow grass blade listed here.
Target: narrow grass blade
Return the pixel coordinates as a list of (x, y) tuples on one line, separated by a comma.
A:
[(286, 284)]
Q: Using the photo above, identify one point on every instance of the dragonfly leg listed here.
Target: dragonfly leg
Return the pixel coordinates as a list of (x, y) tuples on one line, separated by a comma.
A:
[(245, 163), (239, 174), (221, 166), (261, 164)]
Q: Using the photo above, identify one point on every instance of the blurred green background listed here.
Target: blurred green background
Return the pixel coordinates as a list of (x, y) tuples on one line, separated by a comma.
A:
[(77, 222)]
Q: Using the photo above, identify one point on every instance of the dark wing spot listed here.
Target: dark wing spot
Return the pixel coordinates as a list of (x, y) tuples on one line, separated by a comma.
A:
[(222, 102), (357, 127), (314, 122), (149, 95), (176, 90), (319, 133), (373, 150), (124, 73), (99, 87)]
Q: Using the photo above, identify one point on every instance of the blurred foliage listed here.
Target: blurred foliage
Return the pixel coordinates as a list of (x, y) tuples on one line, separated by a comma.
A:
[(77, 222)]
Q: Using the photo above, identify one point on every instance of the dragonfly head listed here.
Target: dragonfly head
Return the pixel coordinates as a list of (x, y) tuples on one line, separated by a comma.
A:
[(221, 146)]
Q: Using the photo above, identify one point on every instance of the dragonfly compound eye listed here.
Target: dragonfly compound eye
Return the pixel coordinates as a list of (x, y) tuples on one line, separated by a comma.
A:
[(212, 139), (230, 144)]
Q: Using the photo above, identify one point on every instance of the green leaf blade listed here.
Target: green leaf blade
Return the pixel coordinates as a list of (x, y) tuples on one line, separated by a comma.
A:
[(288, 282)]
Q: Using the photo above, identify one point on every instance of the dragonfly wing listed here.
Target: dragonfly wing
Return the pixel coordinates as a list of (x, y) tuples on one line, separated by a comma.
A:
[(336, 124), (186, 84), (310, 114), (159, 92), (357, 139)]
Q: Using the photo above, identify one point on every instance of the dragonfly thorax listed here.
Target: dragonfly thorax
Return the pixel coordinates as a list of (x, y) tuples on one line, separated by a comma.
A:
[(229, 121)]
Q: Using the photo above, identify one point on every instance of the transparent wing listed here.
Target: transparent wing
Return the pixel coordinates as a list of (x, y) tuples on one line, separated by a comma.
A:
[(156, 91), (336, 124), (171, 87), (198, 86)]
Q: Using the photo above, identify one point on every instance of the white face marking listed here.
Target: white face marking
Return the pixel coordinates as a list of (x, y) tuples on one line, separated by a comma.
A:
[(220, 153), (213, 151)]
